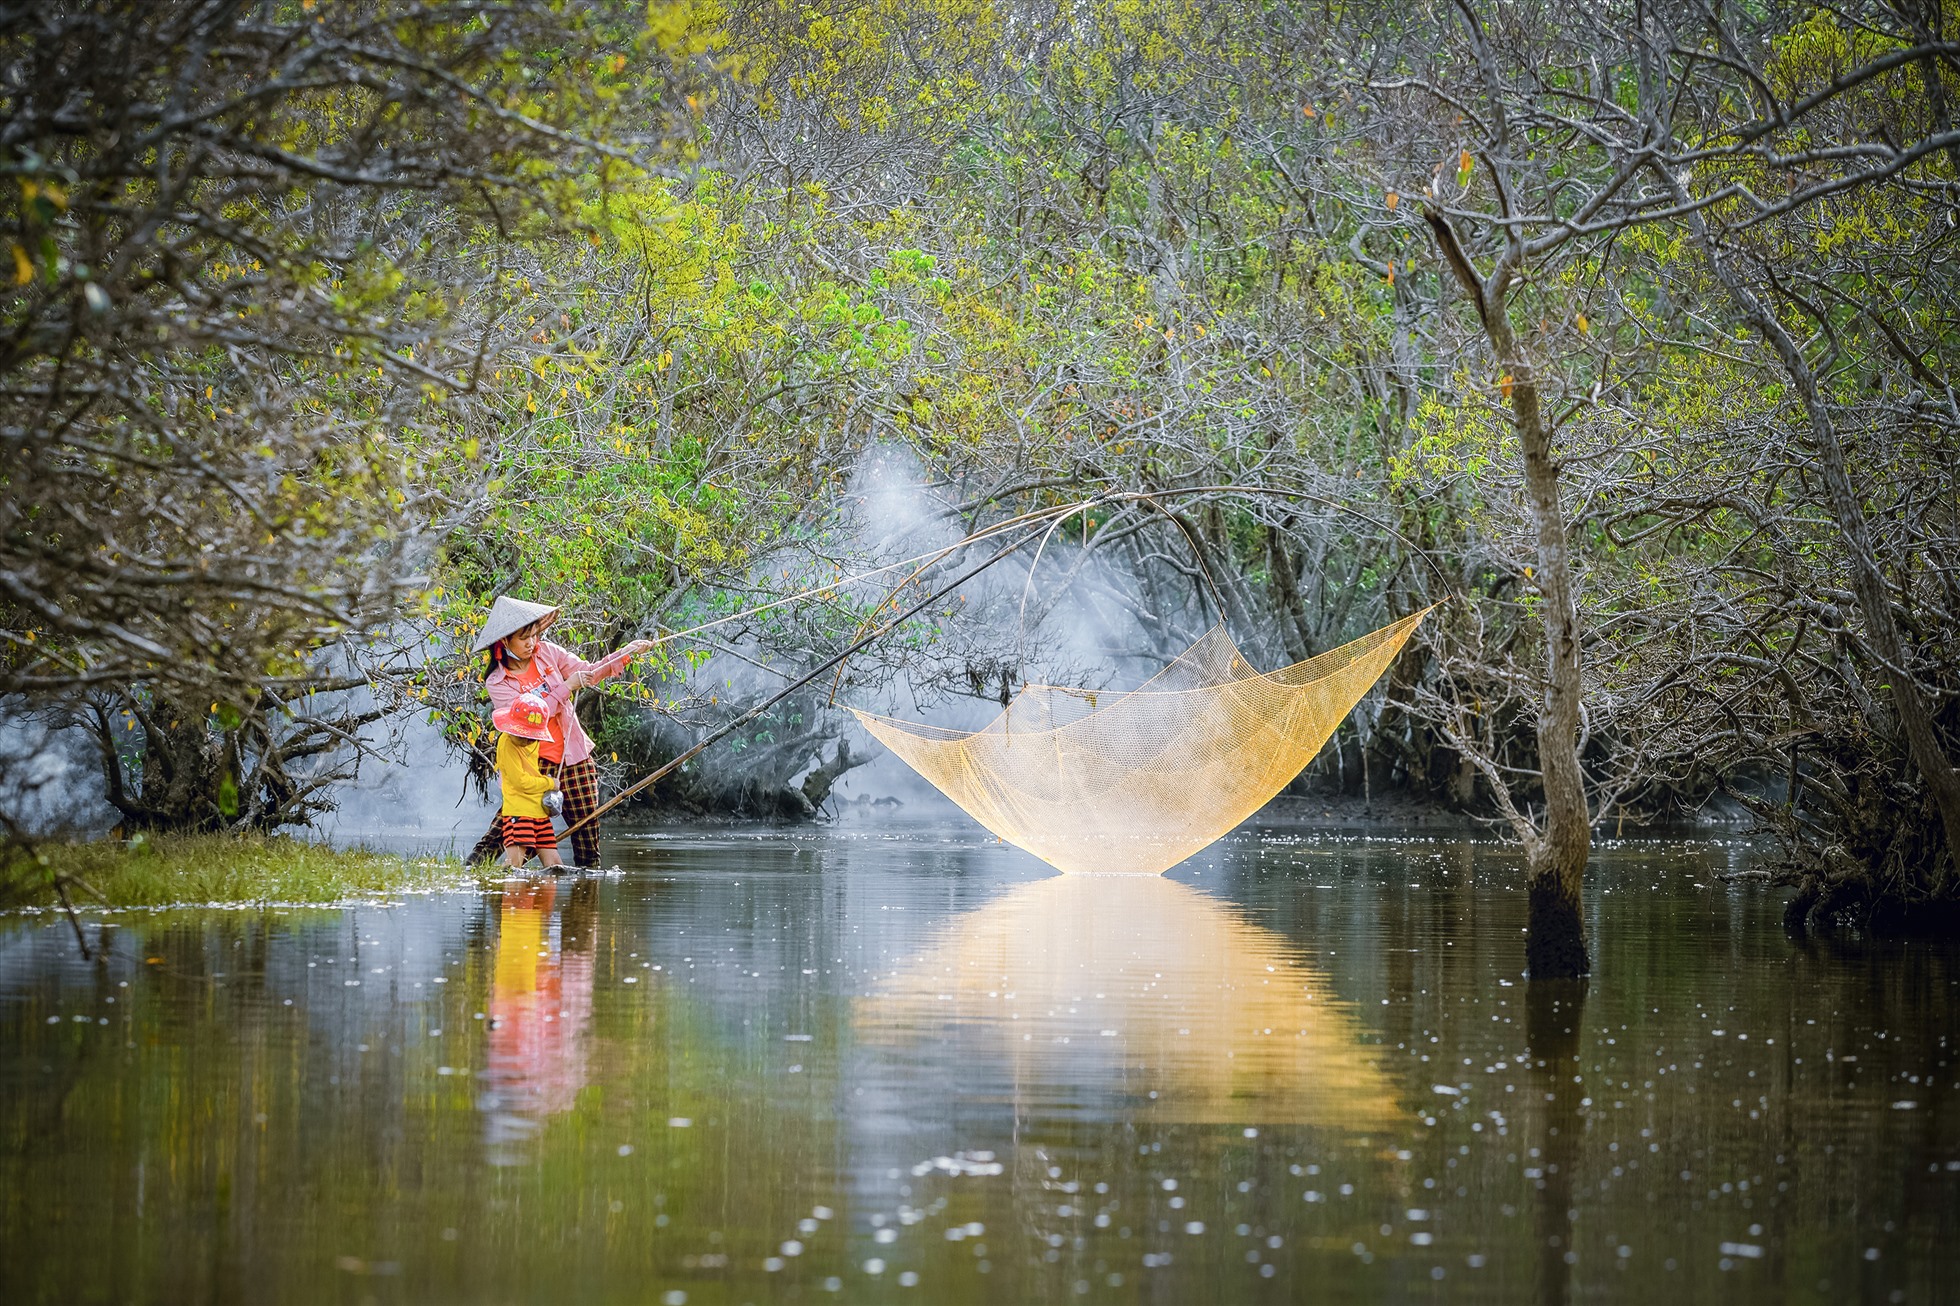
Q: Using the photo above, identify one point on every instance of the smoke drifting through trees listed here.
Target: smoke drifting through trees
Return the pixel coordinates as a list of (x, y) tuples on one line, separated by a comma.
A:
[(1058, 250)]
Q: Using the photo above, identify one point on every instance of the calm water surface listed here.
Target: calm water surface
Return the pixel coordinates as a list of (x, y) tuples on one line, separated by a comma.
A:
[(890, 1064)]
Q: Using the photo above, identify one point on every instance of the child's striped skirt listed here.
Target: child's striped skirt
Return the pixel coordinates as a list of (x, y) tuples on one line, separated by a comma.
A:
[(531, 833)]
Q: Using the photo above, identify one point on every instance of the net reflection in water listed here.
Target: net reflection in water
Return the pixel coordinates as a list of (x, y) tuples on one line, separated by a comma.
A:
[(1139, 985)]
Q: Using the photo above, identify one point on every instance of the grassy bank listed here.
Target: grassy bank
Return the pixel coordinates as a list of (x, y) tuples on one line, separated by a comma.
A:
[(162, 870)]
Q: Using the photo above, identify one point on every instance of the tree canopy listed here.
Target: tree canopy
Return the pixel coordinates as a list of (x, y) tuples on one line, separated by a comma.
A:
[(1627, 330)]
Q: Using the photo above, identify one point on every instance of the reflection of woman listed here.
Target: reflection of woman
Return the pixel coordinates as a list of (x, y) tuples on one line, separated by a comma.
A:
[(522, 660), (540, 1007)]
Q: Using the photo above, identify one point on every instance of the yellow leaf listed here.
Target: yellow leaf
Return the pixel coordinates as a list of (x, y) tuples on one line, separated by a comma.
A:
[(23, 267), (1584, 326), (1393, 200), (1504, 384)]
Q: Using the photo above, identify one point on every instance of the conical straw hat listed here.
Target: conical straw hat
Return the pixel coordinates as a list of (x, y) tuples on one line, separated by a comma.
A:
[(507, 617)]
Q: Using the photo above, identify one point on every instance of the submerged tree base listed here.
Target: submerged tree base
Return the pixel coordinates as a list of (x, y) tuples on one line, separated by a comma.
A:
[(1555, 940), (163, 870), (1868, 903)]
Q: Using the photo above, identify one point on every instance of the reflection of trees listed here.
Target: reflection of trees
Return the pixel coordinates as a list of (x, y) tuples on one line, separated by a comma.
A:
[(1554, 1012), (540, 1010), (1143, 985)]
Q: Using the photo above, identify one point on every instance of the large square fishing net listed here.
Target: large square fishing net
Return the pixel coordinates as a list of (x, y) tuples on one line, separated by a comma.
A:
[(1138, 781)]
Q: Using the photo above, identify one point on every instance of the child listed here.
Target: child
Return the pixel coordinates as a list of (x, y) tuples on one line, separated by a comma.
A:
[(523, 723)]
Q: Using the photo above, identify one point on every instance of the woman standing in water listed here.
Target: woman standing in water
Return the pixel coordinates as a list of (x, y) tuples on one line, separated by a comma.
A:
[(522, 660)]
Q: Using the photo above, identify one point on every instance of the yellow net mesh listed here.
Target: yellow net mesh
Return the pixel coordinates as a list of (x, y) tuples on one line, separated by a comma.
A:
[(1139, 781)]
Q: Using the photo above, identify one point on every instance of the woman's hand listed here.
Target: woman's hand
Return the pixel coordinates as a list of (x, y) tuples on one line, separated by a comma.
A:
[(637, 647), (576, 681)]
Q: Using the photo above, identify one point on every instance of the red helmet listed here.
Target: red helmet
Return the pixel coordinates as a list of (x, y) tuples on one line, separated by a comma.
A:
[(527, 717)]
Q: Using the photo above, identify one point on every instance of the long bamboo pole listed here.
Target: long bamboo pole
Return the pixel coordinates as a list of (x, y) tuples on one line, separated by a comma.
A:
[(764, 706), (1030, 520)]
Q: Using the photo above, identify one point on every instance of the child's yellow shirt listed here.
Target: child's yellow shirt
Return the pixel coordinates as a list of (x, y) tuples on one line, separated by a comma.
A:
[(524, 784)]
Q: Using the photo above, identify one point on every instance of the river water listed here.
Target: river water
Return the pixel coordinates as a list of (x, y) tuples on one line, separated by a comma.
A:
[(885, 1063)]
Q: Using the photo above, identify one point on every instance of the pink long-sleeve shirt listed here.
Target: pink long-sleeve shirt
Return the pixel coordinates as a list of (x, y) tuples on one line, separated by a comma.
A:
[(552, 667)]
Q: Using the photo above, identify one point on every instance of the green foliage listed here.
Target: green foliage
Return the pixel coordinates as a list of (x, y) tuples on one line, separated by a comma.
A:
[(1051, 253)]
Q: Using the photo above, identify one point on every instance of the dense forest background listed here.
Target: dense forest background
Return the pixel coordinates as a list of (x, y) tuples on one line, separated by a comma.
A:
[(1625, 332)]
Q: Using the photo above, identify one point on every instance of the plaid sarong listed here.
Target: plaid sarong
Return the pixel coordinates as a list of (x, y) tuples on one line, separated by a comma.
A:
[(579, 782)]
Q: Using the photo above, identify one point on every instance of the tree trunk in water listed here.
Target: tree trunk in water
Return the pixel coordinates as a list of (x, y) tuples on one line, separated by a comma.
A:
[(1555, 855), (1555, 946), (825, 775)]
